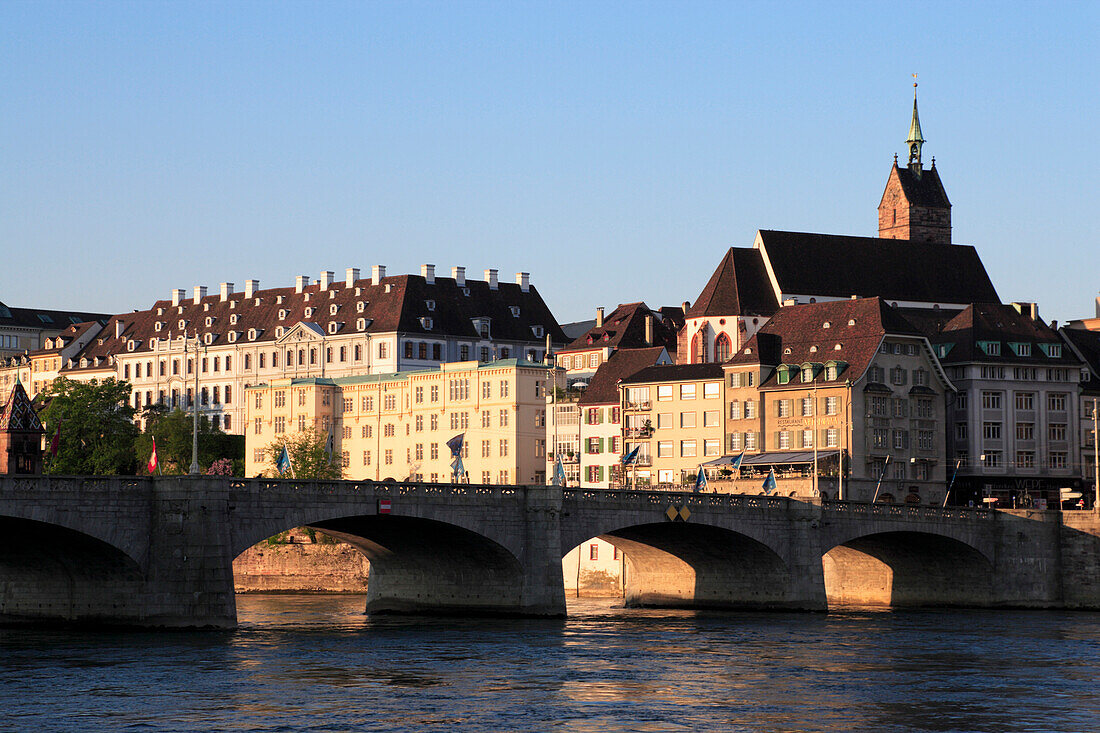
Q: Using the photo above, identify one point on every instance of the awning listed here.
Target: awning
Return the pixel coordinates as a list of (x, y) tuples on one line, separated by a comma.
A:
[(773, 458)]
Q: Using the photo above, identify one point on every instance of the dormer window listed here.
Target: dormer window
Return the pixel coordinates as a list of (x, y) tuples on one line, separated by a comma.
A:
[(156, 327), (851, 322), (279, 332), (1020, 349), (278, 300), (160, 311), (233, 319), (429, 304), (826, 324), (515, 310), (837, 347), (783, 375), (206, 306), (309, 313), (182, 324), (786, 351), (426, 323), (332, 309), (537, 330), (210, 321), (208, 338), (1053, 351), (466, 292), (130, 345), (360, 324), (334, 326), (232, 337), (251, 334), (360, 307), (830, 372), (282, 314), (481, 325), (813, 349), (807, 373)]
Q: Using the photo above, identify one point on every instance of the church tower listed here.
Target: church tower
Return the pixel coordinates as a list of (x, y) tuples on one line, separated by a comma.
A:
[(914, 205)]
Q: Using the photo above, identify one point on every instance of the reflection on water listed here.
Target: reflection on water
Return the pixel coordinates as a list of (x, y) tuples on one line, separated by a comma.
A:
[(317, 663)]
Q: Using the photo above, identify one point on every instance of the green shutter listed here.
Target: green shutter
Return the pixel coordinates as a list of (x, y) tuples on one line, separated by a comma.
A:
[(599, 473), (600, 448)]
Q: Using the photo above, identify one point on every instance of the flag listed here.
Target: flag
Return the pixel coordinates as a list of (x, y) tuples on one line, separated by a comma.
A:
[(559, 472), (283, 464), (632, 456), (55, 442), (328, 445), (737, 461), (769, 482), (151, 466), (457, 467), (701, 479), (455, 444)]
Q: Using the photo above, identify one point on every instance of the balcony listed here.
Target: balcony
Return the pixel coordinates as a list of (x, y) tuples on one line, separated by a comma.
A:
[(643, 405)]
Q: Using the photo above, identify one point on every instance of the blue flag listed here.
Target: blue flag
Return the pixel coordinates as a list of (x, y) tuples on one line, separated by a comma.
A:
[(737, 461), (701, 479), (559, 472), (283, 464), (455, 444), (457, 467), (632, 456), (769, 482)]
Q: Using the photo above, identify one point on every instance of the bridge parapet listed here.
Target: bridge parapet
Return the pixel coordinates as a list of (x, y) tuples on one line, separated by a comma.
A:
[(863, 509), (661, 498)]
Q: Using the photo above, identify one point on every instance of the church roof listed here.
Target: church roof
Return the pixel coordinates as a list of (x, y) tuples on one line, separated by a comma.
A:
[(738, 287), (832, 265), (18, 414), (923, 190)]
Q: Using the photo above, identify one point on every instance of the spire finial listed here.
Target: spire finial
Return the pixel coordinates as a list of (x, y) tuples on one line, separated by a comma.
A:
[(916, 139)]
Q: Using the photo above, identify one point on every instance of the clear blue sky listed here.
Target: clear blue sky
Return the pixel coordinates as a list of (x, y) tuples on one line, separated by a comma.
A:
[(612, 150)]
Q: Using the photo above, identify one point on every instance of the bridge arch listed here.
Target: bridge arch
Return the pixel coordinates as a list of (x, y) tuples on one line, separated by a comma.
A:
[(895, 568), (51, 573)]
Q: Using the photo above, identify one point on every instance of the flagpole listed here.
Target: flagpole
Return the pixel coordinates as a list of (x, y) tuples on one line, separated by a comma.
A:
[(952, 484), (815, 487), (880, 475), (194, 471)]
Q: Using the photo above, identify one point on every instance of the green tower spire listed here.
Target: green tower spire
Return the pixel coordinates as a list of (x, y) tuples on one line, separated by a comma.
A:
[(916, 139)]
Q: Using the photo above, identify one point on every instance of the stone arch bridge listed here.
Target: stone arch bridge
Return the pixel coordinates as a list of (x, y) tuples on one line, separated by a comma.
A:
[(158, 551)]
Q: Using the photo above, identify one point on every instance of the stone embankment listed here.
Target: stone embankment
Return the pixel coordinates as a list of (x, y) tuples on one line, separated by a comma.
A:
[(301, 567)]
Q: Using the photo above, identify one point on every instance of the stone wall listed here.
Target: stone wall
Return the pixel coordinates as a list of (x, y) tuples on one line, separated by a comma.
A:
[(301, 568)]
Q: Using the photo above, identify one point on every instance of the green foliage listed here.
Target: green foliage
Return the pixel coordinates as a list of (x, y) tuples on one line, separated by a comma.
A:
[(173, 431), (97, 427), (308, 456)]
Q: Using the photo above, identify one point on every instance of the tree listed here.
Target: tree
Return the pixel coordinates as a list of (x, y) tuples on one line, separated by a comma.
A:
[(309, 456), (173, 431), (97, 427)]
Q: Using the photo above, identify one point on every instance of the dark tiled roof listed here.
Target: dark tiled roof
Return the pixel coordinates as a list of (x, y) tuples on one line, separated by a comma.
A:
[(924, 191), (1003, 324), (832, 265), (797, 335), (42, 319), (624, 328), (1087, 344), (604, 387), (738, 287), (675, 373), (397, 303)]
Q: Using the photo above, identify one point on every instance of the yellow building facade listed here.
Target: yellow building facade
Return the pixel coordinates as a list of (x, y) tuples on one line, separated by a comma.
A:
[(396, 426)]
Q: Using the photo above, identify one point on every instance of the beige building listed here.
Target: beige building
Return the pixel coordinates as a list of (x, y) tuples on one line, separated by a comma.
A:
[(674, 415), (395, 426)]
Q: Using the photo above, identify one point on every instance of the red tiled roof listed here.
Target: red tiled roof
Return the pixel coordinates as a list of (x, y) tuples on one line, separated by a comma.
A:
[(624, 328), (738, 287), (1001, 323), (604, 386)]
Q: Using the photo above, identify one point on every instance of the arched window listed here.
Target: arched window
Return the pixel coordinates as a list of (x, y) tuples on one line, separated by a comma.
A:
[(699, 348), (722, 348)]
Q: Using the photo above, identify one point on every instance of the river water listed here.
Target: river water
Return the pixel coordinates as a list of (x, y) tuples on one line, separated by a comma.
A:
[(316, 663)]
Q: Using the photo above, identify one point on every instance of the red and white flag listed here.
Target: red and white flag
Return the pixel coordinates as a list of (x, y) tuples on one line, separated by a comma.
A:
[(152, 465)]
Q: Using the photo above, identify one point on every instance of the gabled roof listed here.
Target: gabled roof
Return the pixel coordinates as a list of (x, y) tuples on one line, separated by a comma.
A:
[(798, 334), (738, 287), (1087, 345), (604, 386), (624, 328), (994, 322), (675, 373), (18, 413), (832, 265), (926, 191)]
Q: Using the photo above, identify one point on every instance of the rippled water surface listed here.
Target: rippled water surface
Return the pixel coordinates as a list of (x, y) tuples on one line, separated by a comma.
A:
[(304, 663)]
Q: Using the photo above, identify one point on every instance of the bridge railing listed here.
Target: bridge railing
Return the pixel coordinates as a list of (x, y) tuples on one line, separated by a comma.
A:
[(911, 511), (663, 498), (376, 488)]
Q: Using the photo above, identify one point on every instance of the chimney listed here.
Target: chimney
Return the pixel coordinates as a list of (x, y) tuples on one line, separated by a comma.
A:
[(523, 279), (685, 305), (300, 283), (649, 330), (326, 278), (376, 274), (547, 356), (178, 294), (491, 278), (250, 287), (227, 290), (1098, 307), (350, 276), (428, 272), (119, 328), (1029, 310), (599, 317), (200, 293), (459, 274)]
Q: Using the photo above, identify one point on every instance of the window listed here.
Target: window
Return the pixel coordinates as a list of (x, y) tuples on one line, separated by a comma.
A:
[(434, 451), (920, 377), (899, 407), (992, 459), (712, 419), (807, 406), (784, 439), (593, 361), (783, 408), (389, 402), (831, 437), (924, 407), (258, 425), (1056, 402), (687, 419), (1025, 400), (711, 390), (388, 430), (503, 447), (991, 430), (961, 431), (1057, 431), (807, 438), (880, 438), (712, 447), (687, 391), (435, 393), (688, 448), (991, 400), (1025, 431), (750, 441), (664, 392), (901, 440), (878, 406), (664, 448), (367, 431), (504, 418), (419, 423), (1025, 459), (389, 456), (831, 404), (485, 418), (750, 409), (897, 375), (1058, 459), (925, 440), (735, 411)]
